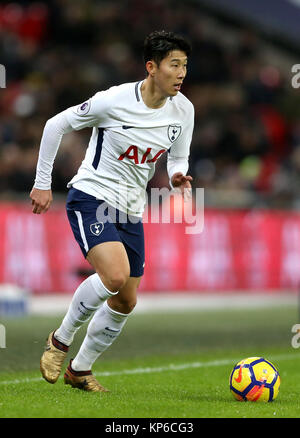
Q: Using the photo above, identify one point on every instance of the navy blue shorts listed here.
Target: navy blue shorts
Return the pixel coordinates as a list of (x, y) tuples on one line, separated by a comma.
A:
[(90, 231)]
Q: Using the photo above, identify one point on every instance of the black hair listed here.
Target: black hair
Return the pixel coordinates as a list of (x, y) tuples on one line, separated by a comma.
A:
[(159, 44)]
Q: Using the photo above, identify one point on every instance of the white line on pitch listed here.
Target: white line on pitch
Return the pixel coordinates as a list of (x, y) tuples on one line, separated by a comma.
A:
[(148, 370)]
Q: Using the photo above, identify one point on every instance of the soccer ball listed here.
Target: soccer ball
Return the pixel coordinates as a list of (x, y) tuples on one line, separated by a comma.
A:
[(254, 379)]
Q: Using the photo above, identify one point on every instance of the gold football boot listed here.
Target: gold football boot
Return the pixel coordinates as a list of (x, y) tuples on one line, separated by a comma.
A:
[(82, 380), (52, 359)]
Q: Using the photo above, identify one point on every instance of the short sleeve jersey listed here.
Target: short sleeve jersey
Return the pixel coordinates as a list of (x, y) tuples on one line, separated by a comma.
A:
[(127, 139)]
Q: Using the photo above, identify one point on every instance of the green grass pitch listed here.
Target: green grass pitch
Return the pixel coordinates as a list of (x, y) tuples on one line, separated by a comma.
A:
[(167, 365)]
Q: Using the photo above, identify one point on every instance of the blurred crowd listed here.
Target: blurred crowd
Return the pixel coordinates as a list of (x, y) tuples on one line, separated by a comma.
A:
[(246, 144)]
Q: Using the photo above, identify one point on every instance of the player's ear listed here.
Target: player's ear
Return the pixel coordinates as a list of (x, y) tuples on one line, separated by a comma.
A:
[(151, 68)]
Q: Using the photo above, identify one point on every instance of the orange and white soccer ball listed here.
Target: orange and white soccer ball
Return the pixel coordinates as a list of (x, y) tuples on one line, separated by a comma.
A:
[(254, 379)]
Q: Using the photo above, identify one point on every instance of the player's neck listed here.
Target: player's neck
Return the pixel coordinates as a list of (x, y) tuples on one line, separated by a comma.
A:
[(151, 95)]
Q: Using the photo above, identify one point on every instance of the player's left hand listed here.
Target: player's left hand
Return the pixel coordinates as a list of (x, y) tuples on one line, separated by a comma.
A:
[(183, 183)]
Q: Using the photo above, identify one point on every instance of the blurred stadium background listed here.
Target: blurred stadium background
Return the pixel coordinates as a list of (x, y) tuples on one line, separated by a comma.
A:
[(245, 151)]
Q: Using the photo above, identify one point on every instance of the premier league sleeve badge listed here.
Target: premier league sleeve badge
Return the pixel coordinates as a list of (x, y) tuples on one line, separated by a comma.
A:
[(84, 108)]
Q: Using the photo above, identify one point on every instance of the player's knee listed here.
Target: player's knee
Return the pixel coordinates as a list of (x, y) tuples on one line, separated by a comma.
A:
[(116, 281), (129, 305), (122, 304)]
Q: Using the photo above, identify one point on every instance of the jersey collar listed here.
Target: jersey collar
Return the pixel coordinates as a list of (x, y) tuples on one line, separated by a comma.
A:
[(138, 95)]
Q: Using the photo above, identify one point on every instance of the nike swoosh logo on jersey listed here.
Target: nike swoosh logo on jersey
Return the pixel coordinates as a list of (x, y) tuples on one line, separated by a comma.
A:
[(127, 127)]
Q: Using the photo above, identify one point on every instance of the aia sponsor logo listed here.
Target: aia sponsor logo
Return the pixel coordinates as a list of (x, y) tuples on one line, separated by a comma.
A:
[(132, 153)]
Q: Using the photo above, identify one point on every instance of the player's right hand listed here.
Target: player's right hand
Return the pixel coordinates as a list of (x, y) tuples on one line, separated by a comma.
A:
[(40, 200)]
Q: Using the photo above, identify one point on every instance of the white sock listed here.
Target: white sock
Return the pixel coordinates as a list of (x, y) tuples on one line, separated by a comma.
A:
[(88, 297), (104, 328)]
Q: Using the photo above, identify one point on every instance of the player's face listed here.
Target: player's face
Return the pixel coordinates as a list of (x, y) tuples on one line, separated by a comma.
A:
[(171, 72)]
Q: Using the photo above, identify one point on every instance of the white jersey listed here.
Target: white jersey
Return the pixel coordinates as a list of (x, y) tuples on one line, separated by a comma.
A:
[(127, 139)]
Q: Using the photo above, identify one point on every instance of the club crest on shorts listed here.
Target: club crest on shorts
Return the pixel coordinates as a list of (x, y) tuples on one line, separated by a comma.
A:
[(174, 132), (97, 228)]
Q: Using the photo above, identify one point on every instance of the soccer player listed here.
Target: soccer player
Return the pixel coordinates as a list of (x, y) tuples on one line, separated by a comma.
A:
[(133, 125)]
